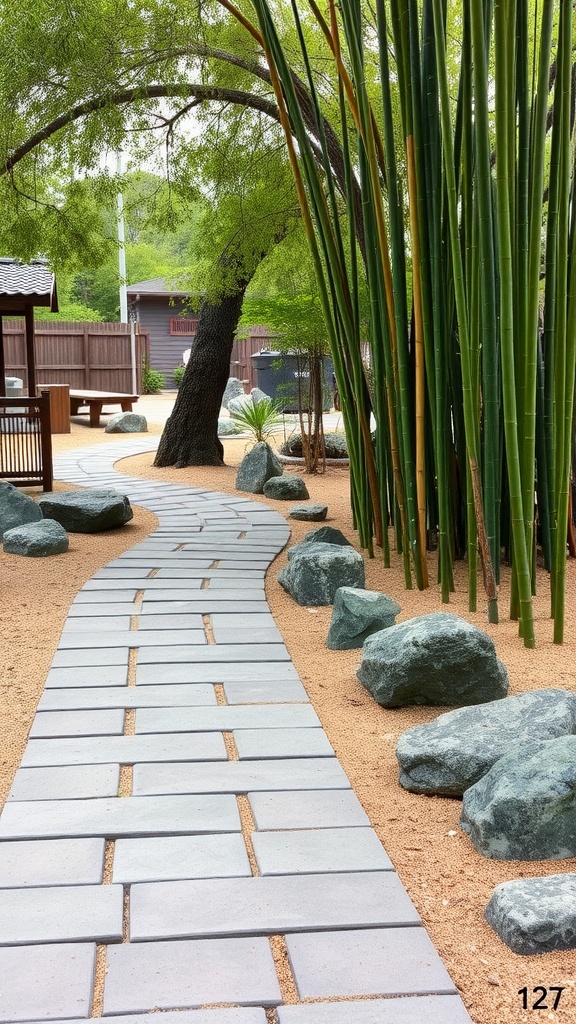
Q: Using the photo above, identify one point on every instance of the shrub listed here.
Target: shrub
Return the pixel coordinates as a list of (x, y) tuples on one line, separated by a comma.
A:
[(178, 373), (259, 418), (152, 381)]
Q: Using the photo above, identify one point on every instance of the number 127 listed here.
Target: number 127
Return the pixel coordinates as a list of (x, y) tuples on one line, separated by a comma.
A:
[(539, 1003)]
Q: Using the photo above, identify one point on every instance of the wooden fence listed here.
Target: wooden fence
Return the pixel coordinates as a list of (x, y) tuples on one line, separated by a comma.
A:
[(241, 364), (90, 356)]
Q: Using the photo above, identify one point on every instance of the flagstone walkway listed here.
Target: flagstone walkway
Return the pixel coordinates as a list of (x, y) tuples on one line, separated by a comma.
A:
[(180, 829)]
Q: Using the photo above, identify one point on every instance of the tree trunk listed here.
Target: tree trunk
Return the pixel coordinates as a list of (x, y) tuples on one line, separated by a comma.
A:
[(190, 437)]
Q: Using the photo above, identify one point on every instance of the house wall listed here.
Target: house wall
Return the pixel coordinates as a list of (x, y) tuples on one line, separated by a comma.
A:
[(154, 315)]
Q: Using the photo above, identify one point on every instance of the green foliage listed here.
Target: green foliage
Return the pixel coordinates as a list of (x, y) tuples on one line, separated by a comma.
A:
[(152, 381), (73, 312), (260, 419), (178, 373)]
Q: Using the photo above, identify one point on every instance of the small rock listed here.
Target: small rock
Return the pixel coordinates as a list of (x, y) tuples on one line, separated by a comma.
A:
[(87, 511), (535, 915), (16, 508), (334, 444), (434, 659), (356, 615), (36, 540), (286, 488), (524, 808), (326, 535), (309, 513), (452, 753), (233, 389), (315, 572), (258, 466), (228, 427), (259, 396), (126, 423)]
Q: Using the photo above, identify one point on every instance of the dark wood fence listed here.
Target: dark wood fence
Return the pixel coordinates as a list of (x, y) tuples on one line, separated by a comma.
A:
[(241, 364), (26, 441), (84, 355)]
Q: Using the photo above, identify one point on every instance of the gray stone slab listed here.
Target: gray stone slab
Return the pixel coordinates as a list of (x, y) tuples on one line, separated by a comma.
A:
[(108, 675), (158, 720), (239, 620), (171, 620), (51, 862), (247, 635), (106, 597), (319, 850), (264, 743), (213, 593), (417, 1010), (242, 692), (290, 810), (75, 913), (88, 623), (101, 610), (224, 1015), (95, 780), (164, 975), (248, 906), (201, 694), (383, 961), (169, 602), (75, 640), (234, 652), (167, 858), (77, 723), (46, 982), (120, 817), (218, 672), (91, 657), (244, 587), (124, 749), (125, 586), (321, 773)]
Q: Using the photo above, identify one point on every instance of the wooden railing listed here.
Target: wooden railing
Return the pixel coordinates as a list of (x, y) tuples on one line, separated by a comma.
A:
[(178, 325), (26, 441)]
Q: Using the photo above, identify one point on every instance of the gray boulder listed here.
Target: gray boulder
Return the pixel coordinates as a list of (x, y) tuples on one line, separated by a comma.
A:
[(233, 389), (315, 572), (326, 535), (126, 423), (524, 808), (456, 750), (309, 513), (436, 660), (226, 428), (257, 395), (16, 508), (286, 487), (258, 466), (535, 915), (237, 405), (86, 511), (36, 540), (356, 615)]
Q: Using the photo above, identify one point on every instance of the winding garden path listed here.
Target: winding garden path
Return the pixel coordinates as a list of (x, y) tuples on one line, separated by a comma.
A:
[(180, 835)]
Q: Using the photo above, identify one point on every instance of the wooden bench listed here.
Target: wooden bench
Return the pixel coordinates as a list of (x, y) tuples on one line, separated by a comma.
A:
[(96, 400)]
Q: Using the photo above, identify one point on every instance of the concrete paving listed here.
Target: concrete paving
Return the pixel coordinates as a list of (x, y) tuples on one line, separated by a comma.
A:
[(178, 803)]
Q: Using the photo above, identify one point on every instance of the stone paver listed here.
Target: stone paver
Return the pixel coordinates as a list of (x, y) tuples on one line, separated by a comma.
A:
[(376, 961), (51, 862), (46, 982), (135, 704), (61, 914), (165, 975)]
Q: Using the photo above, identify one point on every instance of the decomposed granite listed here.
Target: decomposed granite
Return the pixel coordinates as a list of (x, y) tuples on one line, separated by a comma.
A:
[(178, 803)]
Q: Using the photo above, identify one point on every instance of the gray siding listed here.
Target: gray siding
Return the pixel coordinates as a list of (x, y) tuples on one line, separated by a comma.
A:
[(154, 315)]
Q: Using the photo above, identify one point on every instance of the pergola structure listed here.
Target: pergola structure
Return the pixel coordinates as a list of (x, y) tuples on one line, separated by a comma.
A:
[(23, 286)]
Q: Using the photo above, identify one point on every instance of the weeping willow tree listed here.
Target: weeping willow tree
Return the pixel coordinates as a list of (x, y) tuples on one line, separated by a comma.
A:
[(465, 166)]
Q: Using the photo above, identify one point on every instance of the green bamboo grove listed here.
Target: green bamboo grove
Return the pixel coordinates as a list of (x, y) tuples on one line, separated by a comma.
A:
[(459, 138)]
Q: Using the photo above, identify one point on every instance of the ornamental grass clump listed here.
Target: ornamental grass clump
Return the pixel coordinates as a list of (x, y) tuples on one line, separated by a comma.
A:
[(261, 419)]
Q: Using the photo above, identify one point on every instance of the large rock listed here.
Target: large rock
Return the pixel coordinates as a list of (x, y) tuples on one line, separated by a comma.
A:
[(36, 540), (535, 915), (326, 535), (126, 423), (258, 466), (435, 659), (356, 615), (286, 488), (226, 428), (16, 508), (334, 445), (309, 513), (524, 808), (232, 390), (257, 395), (86, 511), (456, 750), (238, 405), (315, 572)]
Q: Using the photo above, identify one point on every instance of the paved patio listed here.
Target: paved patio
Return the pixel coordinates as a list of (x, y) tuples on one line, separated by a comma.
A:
[(179, 820)]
